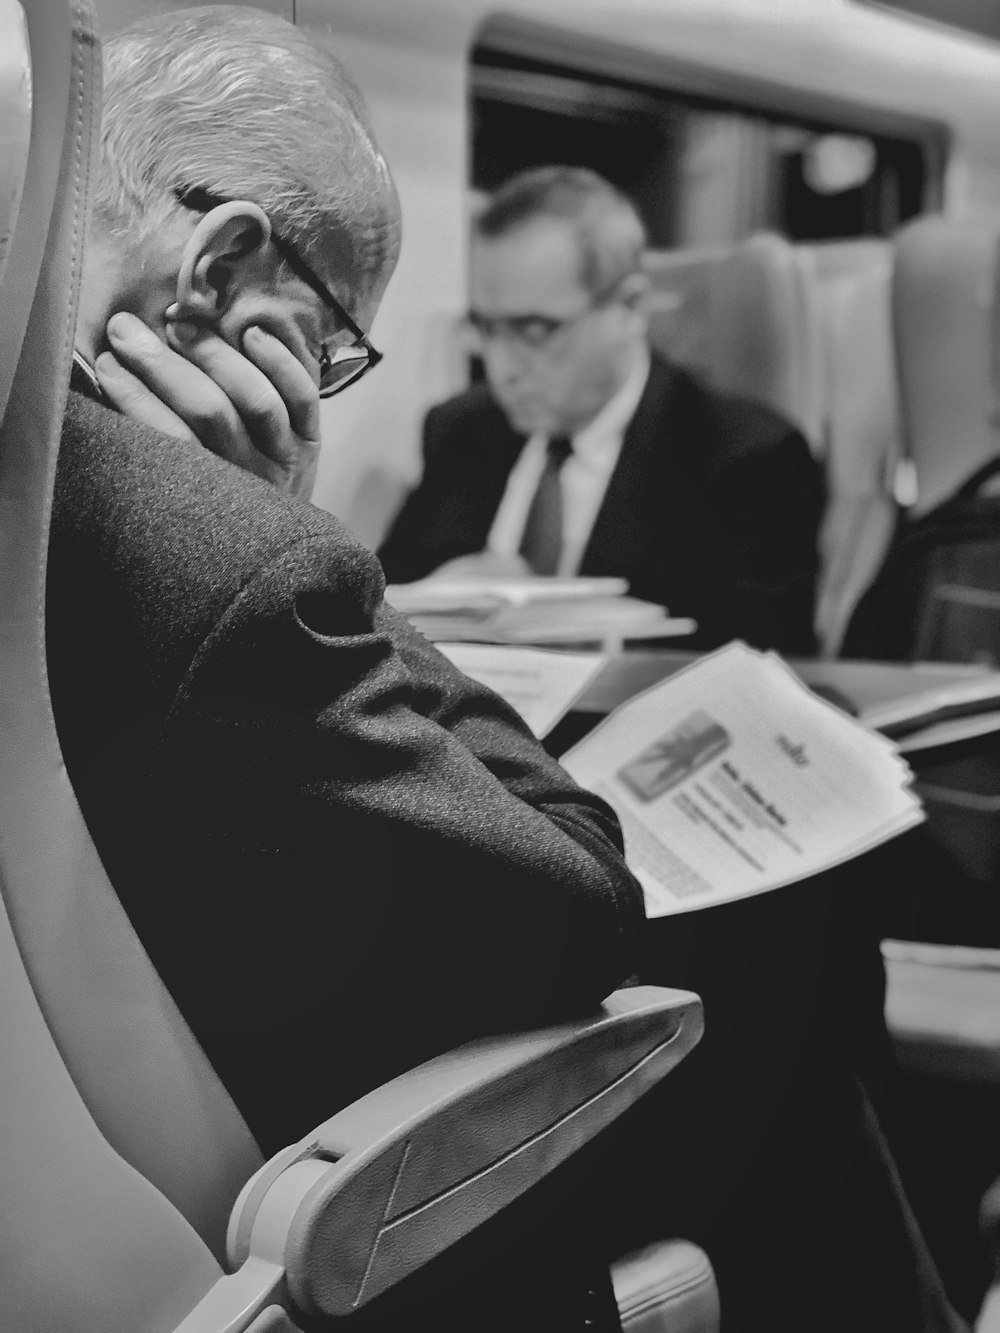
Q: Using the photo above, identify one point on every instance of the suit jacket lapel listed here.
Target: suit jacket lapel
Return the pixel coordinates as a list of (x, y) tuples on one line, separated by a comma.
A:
[(635, 511)]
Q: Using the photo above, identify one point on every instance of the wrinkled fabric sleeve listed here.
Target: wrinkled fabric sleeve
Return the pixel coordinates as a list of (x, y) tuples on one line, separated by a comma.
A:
[(396, 822)]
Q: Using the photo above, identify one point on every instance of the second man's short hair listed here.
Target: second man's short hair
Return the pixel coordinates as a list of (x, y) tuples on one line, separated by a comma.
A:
[(610, 234)]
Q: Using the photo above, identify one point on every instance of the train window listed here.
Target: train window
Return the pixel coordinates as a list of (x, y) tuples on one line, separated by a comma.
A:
[(705, 169), (981, 17)]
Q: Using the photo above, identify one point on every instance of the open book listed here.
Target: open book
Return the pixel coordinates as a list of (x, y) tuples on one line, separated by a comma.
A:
[(532, 610), (731, 778)]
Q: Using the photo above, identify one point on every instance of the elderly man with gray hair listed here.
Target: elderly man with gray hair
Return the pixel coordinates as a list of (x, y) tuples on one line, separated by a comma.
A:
[(221, 198), (283, 780)]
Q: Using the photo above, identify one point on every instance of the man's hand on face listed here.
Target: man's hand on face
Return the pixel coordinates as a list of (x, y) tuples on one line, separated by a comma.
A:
[(258, 408)]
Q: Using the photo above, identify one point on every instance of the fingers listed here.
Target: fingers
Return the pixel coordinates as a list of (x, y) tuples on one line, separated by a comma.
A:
[(289, 376), (182, 388), (254, 398), (132, 398), (280, 415), (273, 410), (210, 391)]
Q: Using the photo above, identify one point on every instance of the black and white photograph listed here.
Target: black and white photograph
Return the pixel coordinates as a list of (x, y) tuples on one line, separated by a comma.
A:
[(500, 666)]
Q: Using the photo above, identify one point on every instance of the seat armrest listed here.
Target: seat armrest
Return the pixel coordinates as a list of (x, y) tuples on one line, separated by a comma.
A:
[(667, 1286), (398, 1177), (943, 1009)]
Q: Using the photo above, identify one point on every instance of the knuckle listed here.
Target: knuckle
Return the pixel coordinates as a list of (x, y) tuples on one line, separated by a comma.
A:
[(148, 348), (129, 392), (265, 408), (209, 418)]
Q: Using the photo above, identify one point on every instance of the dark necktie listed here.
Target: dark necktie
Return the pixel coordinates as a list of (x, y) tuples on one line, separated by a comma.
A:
[(541, 543)]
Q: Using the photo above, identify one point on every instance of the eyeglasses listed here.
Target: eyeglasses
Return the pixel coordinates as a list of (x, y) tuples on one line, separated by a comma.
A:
[(338, 366), (533, 332)]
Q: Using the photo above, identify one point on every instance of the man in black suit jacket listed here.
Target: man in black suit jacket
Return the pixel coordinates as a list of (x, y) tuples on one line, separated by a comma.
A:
[(708, 505)]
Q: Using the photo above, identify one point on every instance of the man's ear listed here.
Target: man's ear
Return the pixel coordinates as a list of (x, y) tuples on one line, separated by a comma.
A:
[(635, 293), (216, 252), (635, 290)]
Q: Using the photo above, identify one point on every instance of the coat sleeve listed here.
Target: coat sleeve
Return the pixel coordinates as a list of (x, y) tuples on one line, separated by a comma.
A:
[(353, 803)]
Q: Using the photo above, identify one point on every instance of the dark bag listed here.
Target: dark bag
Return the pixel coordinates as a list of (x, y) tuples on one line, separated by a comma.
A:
[(937, 596)]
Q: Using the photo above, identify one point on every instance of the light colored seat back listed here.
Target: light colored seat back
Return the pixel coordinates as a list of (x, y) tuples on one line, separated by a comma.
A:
[(104, 1089), (850, 284), (944, 316), (15, 134), (806, 331), (741, 318)]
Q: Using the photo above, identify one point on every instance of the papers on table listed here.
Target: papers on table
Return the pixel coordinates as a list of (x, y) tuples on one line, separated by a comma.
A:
[(951, 732), (942, 715), (539, 685), (532, 610), (731, 778), (476, 594)]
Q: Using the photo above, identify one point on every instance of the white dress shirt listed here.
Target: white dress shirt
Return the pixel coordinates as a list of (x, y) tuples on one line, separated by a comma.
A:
[(583, 477)]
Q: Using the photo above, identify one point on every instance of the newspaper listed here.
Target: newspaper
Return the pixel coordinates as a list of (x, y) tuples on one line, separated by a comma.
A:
[(539, 684), (976, 696), (486, 594), (533, 610), (732, 778)]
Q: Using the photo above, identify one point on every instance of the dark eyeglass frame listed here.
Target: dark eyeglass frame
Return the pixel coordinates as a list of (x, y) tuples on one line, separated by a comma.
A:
[(366, 356)]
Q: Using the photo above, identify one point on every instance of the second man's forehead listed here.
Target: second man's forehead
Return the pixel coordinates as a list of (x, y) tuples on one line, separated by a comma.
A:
[(527, 268)]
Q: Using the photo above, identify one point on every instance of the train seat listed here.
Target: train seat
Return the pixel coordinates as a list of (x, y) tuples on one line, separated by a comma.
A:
[(945, 280), (851, 282), (740, 317), (943, 1000), (806, 331), (128, 1177), (944, 314)]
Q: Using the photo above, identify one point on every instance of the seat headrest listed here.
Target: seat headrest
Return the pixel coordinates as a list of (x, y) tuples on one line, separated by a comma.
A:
[(945, 321), (15, 133), (740, 317)]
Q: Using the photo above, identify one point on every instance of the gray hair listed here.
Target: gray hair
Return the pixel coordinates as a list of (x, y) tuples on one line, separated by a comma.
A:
[(609, 232), (242, 104)]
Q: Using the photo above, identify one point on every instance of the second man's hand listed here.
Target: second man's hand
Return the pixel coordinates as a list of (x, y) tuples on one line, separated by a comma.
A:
[(258, 408)]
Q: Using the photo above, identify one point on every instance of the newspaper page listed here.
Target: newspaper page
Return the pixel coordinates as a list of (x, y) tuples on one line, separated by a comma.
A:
[(732, 778), (540, 685)]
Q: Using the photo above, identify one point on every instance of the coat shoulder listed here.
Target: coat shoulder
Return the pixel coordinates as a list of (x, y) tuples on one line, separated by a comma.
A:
[(739, 426)]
